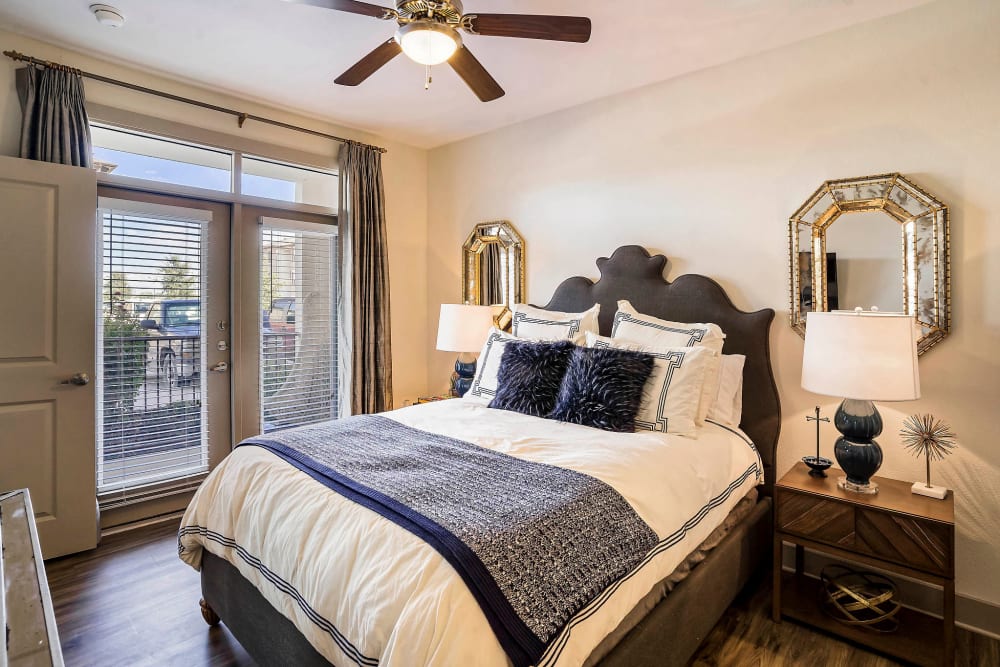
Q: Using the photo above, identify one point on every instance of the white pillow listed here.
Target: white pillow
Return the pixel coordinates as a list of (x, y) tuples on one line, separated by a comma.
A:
[(728, 406), (672, 393), (595, 340), (484, 383), (654, 333), (539, 324)]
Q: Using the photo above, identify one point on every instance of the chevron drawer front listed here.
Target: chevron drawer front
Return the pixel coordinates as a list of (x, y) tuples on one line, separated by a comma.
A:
[(913, 541), (816, 518)]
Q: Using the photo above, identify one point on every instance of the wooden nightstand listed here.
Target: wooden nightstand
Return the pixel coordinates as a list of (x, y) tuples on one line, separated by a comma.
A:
[(893, 530), (432, 399)]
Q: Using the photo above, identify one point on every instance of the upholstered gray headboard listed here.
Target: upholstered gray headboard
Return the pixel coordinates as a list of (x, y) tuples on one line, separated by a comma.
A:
[(631, 273)]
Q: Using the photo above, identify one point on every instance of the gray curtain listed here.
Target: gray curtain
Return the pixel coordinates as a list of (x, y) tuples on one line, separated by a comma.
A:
[(365, 287), (54, 123), (491, 275)]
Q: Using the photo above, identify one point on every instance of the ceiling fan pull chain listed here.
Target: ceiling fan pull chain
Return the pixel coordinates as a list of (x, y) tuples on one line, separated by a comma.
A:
[(429, 79)]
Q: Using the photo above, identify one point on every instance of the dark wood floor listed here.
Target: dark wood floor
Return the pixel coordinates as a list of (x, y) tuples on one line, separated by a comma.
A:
[(132, 602)]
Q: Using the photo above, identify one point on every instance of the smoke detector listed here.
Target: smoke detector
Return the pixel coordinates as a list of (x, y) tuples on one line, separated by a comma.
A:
[(108, 15)]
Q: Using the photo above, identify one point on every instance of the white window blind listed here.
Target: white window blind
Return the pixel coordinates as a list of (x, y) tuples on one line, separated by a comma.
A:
[(298, 341), (151, 401)]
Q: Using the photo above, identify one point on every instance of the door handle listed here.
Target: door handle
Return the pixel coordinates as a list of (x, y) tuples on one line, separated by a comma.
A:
[(79, 379)]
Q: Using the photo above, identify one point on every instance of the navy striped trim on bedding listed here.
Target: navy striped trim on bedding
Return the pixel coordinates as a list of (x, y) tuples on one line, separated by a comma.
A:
[(346, 647), (554, 650)]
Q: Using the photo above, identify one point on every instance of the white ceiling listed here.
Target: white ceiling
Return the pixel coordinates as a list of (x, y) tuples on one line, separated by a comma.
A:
[(288, 55)]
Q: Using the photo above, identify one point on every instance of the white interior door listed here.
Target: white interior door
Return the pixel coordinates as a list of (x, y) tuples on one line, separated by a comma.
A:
[(47, 288)]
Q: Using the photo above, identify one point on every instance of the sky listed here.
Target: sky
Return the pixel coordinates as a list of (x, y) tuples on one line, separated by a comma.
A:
[(183, 173)]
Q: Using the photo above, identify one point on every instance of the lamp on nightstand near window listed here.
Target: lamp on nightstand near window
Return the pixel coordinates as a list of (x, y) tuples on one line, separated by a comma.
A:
[(463, 329), (863, 357)]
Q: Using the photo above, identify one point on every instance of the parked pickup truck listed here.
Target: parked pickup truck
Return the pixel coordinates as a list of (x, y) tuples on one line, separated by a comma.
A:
[(174, 350)]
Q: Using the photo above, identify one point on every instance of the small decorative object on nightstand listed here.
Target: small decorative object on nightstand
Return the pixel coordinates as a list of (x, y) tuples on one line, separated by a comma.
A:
[(463, 328), (893, 531), (433, 399), (817, 464), (863, 357), (931, 438)]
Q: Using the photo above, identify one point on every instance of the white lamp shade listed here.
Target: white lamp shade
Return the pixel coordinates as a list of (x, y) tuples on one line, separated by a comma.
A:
[(864, 356), (463, 328)]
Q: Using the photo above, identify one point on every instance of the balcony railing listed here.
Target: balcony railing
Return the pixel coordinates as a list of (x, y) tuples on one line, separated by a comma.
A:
[(152, 396)]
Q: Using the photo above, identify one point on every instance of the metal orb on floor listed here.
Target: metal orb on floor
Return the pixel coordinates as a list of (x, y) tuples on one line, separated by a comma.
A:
[(862, 599)]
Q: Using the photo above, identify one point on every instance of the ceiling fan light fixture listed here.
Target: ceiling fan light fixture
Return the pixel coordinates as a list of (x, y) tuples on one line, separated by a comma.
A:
[(427, 42)]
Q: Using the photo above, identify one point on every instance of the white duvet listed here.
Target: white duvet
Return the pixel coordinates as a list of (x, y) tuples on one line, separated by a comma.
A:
[(365, 591)]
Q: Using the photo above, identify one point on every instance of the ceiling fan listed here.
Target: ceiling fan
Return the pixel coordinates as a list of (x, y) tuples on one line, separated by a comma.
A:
[(429, 34)]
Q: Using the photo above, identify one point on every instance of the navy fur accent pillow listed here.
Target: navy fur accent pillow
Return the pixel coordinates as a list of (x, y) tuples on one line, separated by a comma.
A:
[(603, 388), (530, 375)]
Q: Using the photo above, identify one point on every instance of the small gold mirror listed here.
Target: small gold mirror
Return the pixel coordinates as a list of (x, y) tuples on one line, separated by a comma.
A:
[(493, 266), (893, 252)]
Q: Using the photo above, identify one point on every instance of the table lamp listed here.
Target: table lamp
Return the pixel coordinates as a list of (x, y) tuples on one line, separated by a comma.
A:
[(463, 328), (862, 357)]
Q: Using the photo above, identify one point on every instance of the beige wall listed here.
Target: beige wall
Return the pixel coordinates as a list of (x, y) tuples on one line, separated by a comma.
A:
[(404, 169), (707, 168)]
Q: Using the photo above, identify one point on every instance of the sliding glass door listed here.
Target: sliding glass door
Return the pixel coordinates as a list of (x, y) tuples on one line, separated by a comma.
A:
[(163, 346)]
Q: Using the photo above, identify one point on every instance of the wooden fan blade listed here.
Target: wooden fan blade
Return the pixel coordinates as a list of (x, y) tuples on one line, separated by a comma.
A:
[(475, 75), (370, 64), (528, 26), (351, 6)]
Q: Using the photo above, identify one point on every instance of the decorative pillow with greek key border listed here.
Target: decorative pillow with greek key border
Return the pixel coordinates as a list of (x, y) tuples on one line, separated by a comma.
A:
[(538, 324), (484, 383), (653, 333)]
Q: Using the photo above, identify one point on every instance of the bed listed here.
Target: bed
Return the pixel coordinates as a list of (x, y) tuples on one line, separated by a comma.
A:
[(651, 617)]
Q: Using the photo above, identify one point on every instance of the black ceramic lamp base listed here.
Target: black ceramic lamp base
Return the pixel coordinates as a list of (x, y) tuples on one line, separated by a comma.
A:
[(856, 451), (461, 379)]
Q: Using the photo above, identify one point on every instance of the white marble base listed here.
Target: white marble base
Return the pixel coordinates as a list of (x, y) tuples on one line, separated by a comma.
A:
[(931, 491)]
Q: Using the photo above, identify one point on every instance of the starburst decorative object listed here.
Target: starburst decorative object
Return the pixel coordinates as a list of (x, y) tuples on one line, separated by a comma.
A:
[(927, 436)]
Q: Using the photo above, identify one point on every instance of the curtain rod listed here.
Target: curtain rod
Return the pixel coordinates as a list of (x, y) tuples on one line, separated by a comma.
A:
[(241, 117)]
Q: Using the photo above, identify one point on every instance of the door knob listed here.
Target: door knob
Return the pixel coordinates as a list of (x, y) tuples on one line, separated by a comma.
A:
[(80, 379)]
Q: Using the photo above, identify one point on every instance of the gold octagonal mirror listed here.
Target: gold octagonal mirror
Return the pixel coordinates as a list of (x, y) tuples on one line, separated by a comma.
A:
[(493, 265), (877, 241)]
